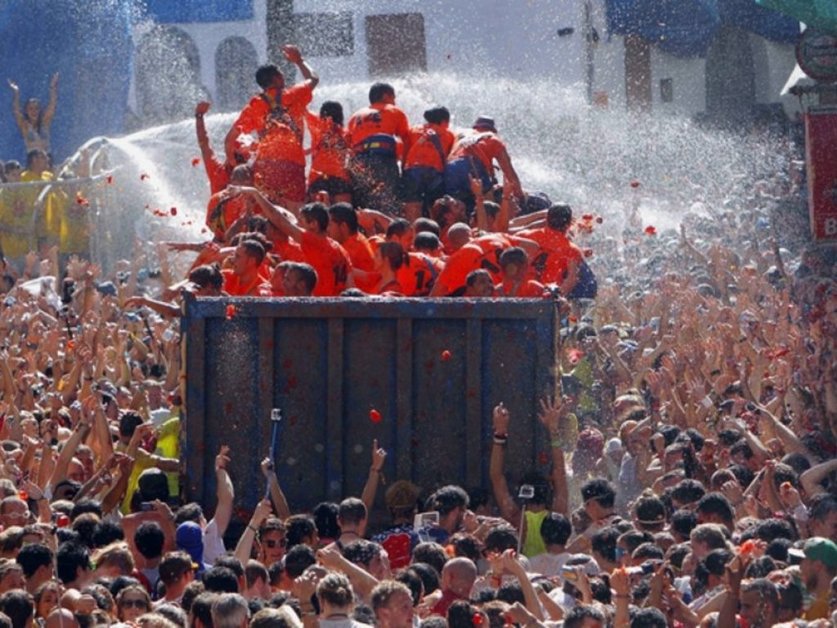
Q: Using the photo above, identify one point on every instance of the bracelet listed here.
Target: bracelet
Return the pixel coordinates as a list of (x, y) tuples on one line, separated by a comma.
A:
[(500, 441), (255, 530), (556, 444)]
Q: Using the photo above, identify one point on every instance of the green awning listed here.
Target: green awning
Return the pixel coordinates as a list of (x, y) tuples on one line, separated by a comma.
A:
[(818, 14)]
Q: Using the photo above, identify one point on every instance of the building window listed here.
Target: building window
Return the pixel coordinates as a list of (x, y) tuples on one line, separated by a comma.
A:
[(167, 75), (325, 34), (667, 90), (396, 44), (235, 68)]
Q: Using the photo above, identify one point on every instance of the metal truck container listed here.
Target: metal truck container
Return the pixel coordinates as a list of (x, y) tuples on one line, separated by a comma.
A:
[(419, 375)]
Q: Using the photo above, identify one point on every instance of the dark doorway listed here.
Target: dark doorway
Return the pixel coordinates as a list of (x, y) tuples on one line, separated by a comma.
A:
[(395, 44), (235, 67)]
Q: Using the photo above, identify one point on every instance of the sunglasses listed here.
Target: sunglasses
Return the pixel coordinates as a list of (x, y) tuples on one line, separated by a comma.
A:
[(272, 544), (137, 603)]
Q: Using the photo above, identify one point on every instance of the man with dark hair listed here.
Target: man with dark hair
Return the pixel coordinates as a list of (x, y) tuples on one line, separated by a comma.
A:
[(244, 279), (451, 502), (149, 540), (328, 258), (603, 548), (478, 283), (176, 571), (372, 134), (423, 180), (715, 508), (555, 531), (19, 606), (343, 229), (36, 560), (257, 581), (298, 279), (649, 513), (276, 118), (72, 565), (514, 269), (559, 260), (329, 153), (220, 580), (584, 616)]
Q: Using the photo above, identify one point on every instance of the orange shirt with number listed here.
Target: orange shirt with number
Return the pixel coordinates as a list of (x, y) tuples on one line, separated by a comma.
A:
[(378, 119), (419, 274)]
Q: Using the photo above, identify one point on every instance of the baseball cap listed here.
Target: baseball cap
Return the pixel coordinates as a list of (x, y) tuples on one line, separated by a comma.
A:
[(820, 549), (485, 122), (189, 538)]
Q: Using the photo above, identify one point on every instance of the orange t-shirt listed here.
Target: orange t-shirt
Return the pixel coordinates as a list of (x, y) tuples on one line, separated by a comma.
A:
[(452, 278), (379, 119), (331, 262), (418, 275), (253, 118), (528, 289), (360, 252), (492, 245), (485, 146), (233, 287), (556, 252), (423, 149), (329, 149), (288, 251), (280, 129)]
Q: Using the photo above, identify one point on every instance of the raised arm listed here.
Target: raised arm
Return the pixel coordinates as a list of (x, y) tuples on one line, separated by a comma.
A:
[(280, 502), (379, 456), (244, 548), (16, 110), (280, 218), (49, 112), (508, 509), (225, 492), (550, 416), (207, 154), (293, 54), (510, 177)]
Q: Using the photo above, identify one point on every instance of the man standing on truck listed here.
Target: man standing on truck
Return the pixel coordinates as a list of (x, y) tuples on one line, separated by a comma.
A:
[(276, 118)]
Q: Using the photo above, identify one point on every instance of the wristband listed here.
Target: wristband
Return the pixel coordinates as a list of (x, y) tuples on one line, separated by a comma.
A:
[(500, 440), (255, 531)]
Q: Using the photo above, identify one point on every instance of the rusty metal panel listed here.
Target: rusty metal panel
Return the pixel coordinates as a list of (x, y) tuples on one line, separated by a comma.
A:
[(431, 369)]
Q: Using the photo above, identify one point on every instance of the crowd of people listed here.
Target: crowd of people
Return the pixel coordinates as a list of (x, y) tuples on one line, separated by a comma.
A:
[(691, 480)]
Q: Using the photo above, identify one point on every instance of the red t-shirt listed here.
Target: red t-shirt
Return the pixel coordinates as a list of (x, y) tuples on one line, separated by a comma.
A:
[(423, 149), (331, 262), (485, 146), (360, 252)]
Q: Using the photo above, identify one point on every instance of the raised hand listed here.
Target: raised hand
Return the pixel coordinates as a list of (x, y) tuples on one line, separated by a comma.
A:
[(292, 54), (202, 107), (223, 458), (550, 414), (500, 419), (379, 456)]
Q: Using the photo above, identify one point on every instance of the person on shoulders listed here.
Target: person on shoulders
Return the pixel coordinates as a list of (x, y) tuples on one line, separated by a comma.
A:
[(33, 122)]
